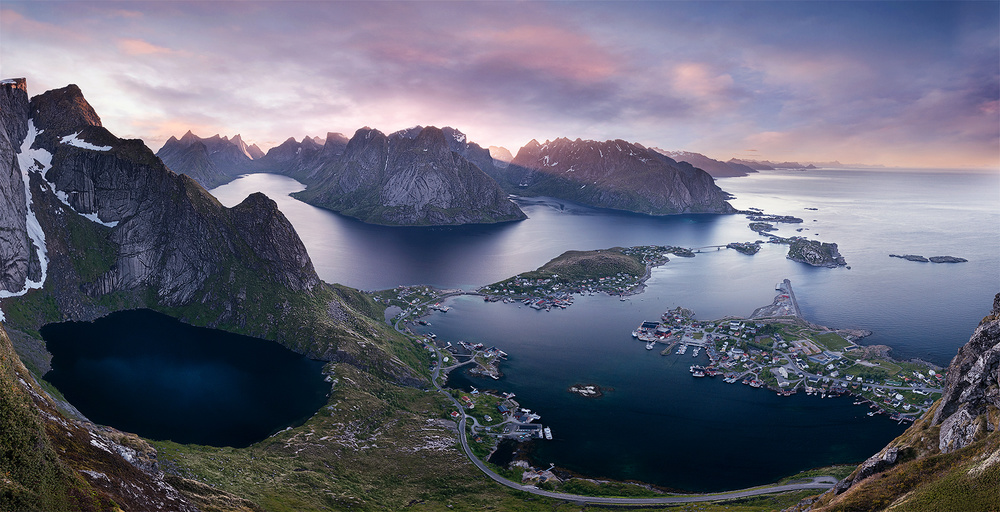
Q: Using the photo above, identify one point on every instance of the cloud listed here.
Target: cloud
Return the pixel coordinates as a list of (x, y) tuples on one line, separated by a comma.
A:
[(884, 80), (133, 47)]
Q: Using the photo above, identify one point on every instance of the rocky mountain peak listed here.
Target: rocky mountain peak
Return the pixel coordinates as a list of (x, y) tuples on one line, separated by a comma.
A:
[(61, 111), (501, 154), (335, 138), (614, 174), (431, 137)]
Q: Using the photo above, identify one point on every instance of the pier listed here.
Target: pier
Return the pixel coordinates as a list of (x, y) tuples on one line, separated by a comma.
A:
[(786, 286)]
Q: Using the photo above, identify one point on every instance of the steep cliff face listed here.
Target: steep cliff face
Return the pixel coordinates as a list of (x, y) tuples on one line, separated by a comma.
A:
[(115, 229), (409, 179), (614, 174), (171, 234), (950, 458), (212, 161), (15, 246), (970, 404)]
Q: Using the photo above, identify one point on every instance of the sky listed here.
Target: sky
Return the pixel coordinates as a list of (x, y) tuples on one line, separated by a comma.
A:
[(911, 84)]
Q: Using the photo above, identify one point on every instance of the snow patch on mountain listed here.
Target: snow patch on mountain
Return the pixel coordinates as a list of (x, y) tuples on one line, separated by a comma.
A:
[(38, 160), (74, 140)]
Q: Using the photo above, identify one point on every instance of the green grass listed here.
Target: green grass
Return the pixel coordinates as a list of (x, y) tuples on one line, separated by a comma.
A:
[(832, 341)]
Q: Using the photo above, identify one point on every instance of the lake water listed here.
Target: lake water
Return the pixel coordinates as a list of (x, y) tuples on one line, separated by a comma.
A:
[(660, 425), (148, 373)]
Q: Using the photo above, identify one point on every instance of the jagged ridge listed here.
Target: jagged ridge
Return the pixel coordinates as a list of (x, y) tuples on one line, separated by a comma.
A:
[(409, 179), (614, 174)]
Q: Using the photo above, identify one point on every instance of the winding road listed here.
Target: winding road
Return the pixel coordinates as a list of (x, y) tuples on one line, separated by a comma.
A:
[(818, 483)]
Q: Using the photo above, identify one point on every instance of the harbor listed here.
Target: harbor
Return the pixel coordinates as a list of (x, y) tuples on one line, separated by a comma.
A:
[(777, 350)]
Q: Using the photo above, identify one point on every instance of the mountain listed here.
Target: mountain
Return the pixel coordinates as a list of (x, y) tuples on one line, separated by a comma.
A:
[(613, 174), (950, 458), (770, 166), (716, 168), (413, 177), (501, 156), (111, 227), (20, 264), (212, 161), (305, 161)]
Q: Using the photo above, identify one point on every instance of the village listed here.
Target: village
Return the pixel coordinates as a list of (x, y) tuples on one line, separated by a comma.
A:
[(776, 350)]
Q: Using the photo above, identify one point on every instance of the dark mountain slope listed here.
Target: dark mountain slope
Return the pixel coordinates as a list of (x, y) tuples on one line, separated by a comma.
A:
[(212, 161), (400, 180), (122, 231), (614, 174), (716, 168)]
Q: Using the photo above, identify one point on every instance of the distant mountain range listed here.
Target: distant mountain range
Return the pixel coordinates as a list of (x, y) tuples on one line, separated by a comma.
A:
[(770, 166), (212, 161), (431, 176), (716, 168)]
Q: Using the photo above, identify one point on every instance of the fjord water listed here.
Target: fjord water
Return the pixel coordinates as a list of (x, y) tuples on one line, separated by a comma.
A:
[(660, 425), (147, 373)]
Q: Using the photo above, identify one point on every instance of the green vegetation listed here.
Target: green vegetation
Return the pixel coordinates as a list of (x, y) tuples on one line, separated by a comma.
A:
[(93, 251), (832, 341), (839, 472), (32, 310), (32, 476), (966, 479)]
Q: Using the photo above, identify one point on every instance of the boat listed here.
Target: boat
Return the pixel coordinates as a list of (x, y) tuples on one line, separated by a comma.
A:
[(697, 373), (697, 350), (650, 345), (682, 349), (635, 334), (548, 433)]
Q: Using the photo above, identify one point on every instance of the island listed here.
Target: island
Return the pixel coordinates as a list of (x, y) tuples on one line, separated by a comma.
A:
[(615, 271), (773, 349), (748, 248), (776, 349), (588, 390), (932, 259)]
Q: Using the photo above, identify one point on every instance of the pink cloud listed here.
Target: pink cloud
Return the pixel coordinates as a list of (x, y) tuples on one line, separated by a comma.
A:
[(140, 47)]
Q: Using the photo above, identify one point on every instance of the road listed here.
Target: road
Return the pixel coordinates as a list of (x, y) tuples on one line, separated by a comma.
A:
[(818, 483)]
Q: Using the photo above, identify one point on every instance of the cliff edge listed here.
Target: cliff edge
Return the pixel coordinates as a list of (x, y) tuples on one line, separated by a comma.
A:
[(950, 458)]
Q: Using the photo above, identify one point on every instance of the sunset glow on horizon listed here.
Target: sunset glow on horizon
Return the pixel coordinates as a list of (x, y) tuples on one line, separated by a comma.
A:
[(912, 84)]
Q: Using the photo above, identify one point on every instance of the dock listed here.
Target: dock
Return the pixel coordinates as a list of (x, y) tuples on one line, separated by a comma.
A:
[(787, 288)]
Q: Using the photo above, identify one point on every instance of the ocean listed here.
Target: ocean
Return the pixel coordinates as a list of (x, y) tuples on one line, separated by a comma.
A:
[(660, 425)]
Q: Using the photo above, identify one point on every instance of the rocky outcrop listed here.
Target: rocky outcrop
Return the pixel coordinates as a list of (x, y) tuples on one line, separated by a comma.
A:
[(815, 253), (614, 174), (947, 259), (716, 168), (410, 178), (932, 259), (15, 246), (212, 161), (949, 459), (970, 404), (875, 464)]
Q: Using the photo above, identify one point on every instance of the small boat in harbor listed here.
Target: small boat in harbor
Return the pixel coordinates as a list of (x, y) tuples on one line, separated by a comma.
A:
[(650, 345), (548, 433)]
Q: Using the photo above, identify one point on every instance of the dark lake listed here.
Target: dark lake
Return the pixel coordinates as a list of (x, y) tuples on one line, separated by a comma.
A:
[(144, 372)]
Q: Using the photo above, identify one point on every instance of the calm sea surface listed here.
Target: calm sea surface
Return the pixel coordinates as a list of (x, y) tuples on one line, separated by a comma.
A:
[(147, 373), (660, 425)]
